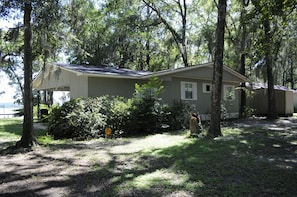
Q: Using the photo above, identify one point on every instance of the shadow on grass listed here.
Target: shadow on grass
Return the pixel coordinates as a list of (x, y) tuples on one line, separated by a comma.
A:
[(11, 126), (11, 131), (256, 161), (231, 168)]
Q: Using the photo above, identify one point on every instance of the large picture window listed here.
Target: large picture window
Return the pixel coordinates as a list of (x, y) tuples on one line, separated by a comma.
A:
[(188, 90)]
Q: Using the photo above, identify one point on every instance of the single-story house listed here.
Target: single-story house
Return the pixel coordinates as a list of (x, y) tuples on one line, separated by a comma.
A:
[(189, 84), (284, 99)]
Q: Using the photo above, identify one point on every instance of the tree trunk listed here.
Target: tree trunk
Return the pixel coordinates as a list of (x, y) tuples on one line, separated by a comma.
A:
[(215, 121), (243, 88), (270, 78), (27, 139), (242, 63), (148, 43), (292, 75)]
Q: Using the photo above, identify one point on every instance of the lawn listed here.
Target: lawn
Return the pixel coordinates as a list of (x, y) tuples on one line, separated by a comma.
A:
[(254, 158)]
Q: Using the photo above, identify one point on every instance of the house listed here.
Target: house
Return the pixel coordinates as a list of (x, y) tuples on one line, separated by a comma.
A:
[(284, 99), (189, 84)]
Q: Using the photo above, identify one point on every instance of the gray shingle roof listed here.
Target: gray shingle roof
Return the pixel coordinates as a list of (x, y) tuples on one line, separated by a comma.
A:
[(104, 70), (257, 86)]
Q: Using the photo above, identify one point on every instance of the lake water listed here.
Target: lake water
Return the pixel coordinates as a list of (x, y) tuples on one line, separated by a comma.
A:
[(8, 109)]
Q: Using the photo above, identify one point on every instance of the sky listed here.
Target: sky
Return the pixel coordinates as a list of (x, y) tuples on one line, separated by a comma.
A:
[(9, 90), (7, 97)]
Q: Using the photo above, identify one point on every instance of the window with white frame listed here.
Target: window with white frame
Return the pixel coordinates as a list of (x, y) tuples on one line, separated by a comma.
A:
[(188, 90), (206, 87), (229, 92)]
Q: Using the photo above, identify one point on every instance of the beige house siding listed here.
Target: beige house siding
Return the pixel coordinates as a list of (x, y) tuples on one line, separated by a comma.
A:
[(289, 102), (205, 73), (52, 81), (56, 80), (172, 93), (78, 86), (111, 86), (283, 100), (295, 100)]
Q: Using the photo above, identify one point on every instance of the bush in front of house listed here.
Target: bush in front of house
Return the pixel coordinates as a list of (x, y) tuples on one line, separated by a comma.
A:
[(86, 118), (147, 112), (144, 113), (178, 115)]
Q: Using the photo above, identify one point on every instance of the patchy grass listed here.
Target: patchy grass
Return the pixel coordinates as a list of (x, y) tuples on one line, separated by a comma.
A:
[(12, 128), (11, 131), (254, 158)]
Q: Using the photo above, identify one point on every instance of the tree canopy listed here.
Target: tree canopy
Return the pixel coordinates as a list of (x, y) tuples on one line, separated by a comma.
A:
[(156, 35)]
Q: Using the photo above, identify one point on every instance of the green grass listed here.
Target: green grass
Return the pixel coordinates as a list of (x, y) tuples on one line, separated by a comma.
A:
[(247, 161), (11, 131)]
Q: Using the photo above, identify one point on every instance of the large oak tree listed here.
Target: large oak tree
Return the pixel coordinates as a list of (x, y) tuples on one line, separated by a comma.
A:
[(215, 121), (29, 9), (27, 139)]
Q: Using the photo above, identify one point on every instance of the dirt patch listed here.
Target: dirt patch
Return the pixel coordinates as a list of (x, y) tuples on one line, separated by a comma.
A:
[(73, 169), (103, 166)]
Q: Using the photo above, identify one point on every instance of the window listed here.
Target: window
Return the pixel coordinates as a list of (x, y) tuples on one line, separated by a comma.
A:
[(229, 92), (206, 87), (188, 90)]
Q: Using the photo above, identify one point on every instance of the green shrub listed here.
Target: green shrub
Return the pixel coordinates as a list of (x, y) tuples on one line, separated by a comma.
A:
[(86, 118), (144, 113), (78, 119), (147, 112), (117, 113), (178, 115)]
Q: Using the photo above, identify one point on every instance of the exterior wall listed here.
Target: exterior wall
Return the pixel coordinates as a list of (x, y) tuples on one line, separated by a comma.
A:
[(259, 101), (172, 92), (289, 102), (280, 99), (295, 100), (78, 86), (205, 73), (283, 99), (203, 103), (107, 86), (52, 81)]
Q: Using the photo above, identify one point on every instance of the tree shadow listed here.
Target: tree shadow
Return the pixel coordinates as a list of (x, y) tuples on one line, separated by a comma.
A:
[(260, 161), (92, 180), (240, 165)]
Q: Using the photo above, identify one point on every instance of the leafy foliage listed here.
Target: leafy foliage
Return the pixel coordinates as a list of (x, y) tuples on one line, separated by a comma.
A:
[(143, 114), (147, 112), (87, 118), (178, 115)]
